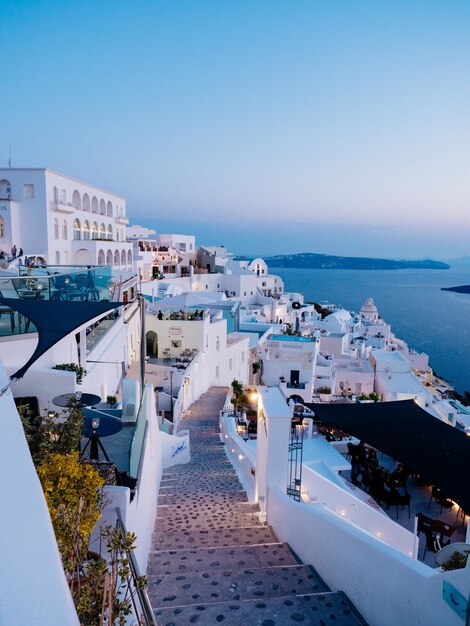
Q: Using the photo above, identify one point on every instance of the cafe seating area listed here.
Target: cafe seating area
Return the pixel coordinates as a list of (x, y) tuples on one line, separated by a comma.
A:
[(403, 495)]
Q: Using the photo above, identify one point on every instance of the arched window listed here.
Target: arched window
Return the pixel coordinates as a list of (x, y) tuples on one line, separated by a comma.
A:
[(110, 232), (86, 202), (116, 258), (86, 230), (94, 205), (5, 189), (102, 231), (77, 230), (76, 200), (109, 258), (101, 257), (129, 259), (65, 230), (102, 207), (94, 230), (109, 209), (2, 227), (56, 228), (123, 258)]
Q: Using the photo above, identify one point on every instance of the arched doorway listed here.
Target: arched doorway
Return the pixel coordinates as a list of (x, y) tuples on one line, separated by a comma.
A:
[(152, 344)]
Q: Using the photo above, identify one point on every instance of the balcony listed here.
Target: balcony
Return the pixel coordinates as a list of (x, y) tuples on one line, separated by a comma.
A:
[(60, 206), (121, 220)]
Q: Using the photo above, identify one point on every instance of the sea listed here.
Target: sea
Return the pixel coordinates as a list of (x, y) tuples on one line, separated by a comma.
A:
[(428, 319)]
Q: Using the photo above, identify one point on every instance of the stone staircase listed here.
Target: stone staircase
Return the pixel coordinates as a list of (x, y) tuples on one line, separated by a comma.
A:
[(213, 560)]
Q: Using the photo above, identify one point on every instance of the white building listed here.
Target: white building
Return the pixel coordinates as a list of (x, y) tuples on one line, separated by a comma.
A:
[(67, 221)]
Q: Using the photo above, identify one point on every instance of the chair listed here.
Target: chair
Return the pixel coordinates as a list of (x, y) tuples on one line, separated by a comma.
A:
[(351, 447), (424, 523), (434, 542), (440, 498)]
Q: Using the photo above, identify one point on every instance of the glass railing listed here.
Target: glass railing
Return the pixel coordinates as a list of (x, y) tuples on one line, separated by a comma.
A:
[(14, 323), (93, 284)]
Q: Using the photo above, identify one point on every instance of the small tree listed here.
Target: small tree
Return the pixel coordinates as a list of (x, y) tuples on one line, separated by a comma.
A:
[(72, 491)]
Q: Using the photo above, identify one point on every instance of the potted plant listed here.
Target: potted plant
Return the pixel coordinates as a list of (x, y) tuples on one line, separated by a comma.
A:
[(111, 400), (325, 393), (80, 372), (457, 560), (364, 399), (374, 397)]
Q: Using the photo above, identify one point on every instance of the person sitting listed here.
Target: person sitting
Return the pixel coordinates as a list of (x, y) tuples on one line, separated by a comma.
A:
[(372, 460), (399, 476), (20, 252), (357, 467)]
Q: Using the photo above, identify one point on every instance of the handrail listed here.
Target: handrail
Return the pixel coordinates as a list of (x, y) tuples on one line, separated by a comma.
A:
[(147, 618)]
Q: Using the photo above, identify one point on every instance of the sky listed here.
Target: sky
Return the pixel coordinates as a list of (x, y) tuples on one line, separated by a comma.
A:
[(271, 126)]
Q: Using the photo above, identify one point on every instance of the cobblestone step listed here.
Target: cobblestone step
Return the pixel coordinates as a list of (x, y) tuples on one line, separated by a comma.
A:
[(216, 538), (236, 584), (322, 609), (201, 559)]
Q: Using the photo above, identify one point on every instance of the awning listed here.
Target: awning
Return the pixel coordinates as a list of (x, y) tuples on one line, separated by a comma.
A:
[(437, 451), (54, 320)]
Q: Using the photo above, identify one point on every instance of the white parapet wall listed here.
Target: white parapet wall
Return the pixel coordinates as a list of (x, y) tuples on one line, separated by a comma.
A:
[(33, 589), (241, 454), (388, 587)]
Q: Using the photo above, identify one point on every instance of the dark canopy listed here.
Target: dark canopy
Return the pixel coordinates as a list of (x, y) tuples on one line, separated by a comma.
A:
[(438, 452), (54, 320)]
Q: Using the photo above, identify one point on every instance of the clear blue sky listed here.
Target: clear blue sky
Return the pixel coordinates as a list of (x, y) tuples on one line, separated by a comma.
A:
[(333, 126)]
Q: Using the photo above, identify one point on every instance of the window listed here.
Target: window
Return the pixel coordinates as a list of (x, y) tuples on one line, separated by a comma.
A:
[(217, 371), (244, 293), (56, 195), (263, 284), (57, 258), (243, 357), (110, 232), (77, 231), (65, 233), (2, 227), (56, 228), (102, 231), (94, 230), (28, 191), (86, 230), (230, 364)]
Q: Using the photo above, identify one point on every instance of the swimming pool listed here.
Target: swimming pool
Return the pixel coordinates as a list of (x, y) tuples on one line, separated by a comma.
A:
[(290, 338)]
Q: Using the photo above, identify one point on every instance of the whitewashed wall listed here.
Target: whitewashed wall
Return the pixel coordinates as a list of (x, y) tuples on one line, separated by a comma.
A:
[(388, 588), (33, 589)]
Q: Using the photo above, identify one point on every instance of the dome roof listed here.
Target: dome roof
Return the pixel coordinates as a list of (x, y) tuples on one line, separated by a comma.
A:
[(369, 306)]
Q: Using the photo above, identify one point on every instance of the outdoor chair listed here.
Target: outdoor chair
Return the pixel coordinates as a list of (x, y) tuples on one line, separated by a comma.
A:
[(434, 542), (424, 523)]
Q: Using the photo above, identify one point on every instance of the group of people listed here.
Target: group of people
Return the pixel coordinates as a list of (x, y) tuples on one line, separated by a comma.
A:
[(181, 315), (13, 254), (381, 483)]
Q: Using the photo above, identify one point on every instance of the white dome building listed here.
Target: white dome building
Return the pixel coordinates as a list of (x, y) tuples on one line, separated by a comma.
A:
[(369, 311)]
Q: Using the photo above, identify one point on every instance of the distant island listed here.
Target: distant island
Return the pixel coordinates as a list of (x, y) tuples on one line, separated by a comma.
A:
[(329, 262), (457, 289)]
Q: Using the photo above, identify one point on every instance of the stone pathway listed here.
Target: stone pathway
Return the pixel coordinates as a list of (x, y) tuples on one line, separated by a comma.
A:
[(213, 560)]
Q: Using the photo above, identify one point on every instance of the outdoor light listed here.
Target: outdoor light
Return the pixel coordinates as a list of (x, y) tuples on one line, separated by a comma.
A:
[(51, 414), (254, 395), (95, 422)]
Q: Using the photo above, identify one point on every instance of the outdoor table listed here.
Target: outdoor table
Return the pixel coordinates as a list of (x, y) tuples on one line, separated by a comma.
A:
[(441, 527), (68, 400)]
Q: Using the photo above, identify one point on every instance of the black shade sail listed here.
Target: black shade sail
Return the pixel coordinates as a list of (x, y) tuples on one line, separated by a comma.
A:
[(54, 320), (438, 452)]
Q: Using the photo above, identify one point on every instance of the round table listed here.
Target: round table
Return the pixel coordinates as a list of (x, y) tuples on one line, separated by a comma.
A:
[(69, 400)]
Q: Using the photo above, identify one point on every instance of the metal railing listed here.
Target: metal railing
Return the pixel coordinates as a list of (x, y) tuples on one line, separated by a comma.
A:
[(143, 610)]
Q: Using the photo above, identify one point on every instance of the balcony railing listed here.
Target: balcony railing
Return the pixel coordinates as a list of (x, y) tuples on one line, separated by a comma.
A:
[(94, 284)]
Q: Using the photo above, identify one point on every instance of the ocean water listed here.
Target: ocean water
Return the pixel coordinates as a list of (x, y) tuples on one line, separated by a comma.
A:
[(428, 319)]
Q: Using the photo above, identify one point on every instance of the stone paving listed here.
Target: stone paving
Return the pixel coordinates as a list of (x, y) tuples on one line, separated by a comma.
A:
[(213, 560)]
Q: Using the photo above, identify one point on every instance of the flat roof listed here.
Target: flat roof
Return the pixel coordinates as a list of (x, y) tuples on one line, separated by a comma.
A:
[(47, 169)]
